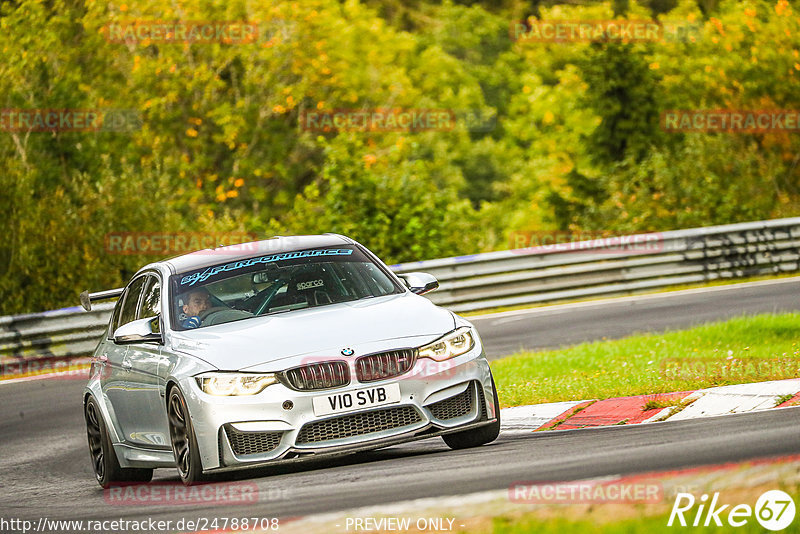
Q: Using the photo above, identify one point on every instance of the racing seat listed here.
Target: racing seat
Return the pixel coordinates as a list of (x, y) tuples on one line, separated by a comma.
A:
[(311, 286)]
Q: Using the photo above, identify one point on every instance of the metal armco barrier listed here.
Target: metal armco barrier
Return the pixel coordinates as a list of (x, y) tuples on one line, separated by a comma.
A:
[(508, 278), (610, 267), (67, 333)]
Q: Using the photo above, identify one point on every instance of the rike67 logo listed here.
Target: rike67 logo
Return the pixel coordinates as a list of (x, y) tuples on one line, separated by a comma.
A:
[(774, 510)]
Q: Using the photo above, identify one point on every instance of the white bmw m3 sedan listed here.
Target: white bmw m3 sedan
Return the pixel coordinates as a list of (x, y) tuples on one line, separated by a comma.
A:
[(282, 350)]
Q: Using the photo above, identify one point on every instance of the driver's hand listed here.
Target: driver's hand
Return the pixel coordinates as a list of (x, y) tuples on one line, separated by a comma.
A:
[(191, 322)]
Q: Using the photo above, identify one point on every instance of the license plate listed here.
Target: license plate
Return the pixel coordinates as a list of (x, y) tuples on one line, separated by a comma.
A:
[(356, 400)]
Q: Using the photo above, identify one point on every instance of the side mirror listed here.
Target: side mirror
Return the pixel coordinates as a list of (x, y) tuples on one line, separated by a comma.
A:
[(419, 283), (139, 331)]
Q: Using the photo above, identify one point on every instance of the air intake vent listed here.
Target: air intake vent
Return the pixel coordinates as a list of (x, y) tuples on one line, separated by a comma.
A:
[(456, 406), (244, 443), (358, 424)]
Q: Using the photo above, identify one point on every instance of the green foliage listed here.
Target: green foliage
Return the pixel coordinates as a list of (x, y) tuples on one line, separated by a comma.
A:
[(700, 180), (622, 91), (407, 207)]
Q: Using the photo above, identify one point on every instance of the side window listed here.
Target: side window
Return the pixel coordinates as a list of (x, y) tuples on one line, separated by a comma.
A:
[(115, 316), (130, 306), (151, 301)]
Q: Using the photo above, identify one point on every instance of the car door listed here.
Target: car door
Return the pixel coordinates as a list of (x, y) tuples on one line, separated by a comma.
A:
[(149, 421), (118, 385), (131, 379), (147, 417)]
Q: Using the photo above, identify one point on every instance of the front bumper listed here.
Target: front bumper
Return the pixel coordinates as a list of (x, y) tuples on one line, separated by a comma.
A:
[(238, 432)]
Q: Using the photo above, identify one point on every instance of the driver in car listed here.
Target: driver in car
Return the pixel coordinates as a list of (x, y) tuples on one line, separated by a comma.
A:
[(193, 304)]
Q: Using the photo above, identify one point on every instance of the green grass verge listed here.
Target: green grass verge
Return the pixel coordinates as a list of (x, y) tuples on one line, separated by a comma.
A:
[(740, 350), (646, 525), (631, 518)]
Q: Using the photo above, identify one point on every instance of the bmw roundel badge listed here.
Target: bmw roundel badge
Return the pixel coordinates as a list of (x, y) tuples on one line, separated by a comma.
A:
[(348, 352)]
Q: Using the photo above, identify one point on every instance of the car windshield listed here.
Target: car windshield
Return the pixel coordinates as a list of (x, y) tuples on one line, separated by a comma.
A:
[(275, 283)]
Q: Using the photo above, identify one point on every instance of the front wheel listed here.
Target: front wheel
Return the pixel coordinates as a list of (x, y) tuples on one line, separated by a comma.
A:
[(104, 460), (479, 436), (184, 442)]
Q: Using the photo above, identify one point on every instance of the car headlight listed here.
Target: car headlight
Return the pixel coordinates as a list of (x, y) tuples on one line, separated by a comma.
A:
[(228, 384), (456, 343)]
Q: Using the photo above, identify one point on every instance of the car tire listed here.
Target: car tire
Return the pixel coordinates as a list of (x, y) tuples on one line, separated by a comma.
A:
[(479, 436), (184, 442), (105, 464)]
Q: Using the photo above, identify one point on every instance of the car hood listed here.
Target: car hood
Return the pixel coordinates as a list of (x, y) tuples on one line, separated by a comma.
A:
[(270, 343)]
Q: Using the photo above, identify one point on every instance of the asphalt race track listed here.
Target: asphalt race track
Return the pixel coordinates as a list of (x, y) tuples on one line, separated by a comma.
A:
[(45, 469), (558, 326)]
